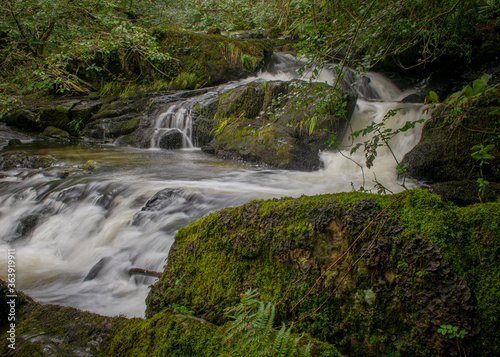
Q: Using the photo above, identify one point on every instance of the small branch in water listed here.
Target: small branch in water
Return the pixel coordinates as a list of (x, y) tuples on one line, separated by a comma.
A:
[(139, 271)]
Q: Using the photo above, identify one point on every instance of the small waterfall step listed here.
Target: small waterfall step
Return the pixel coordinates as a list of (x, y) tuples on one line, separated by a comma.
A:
[(173, 129)]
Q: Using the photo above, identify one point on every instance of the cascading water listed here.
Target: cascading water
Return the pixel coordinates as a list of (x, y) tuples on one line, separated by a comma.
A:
[(77, 238), (175, 120)]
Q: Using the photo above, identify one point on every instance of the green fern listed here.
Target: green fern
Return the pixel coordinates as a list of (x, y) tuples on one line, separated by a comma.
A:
[(251, 332)]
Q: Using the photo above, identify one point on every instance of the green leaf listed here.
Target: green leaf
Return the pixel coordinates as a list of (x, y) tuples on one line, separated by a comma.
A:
[(312, 124), (479, 86), (433, 96), (485, 78), (468, 91)]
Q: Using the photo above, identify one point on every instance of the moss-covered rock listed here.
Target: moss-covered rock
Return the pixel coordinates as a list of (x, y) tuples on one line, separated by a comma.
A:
[(116, 118), (444, 151), (55, 133), (280, 124), (206, 60), (112, 128), (22, 119), (369, 274), (37, 114), (55, 116), (42, 330)]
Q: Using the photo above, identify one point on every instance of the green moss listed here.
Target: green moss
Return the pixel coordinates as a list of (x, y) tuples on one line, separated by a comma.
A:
[(211, 59), (65, 331), (186, 80), (382, 306), (55, 116), (56, 133), (444, 152), (130, 125), (469, 239), (165, 335), (269, 123), (22, 119)]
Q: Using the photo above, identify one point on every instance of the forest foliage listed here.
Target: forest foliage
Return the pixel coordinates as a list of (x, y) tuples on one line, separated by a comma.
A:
[(54, 46)]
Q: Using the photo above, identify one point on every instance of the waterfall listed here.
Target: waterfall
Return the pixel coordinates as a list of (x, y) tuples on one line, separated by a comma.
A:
[(176, 121), (77, 237), (173, 125)]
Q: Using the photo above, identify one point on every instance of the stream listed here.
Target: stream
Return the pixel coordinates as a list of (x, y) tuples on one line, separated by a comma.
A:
[(76, 238)]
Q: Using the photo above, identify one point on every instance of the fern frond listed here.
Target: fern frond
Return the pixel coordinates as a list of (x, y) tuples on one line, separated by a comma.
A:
[(252, 330), (264, 321), (280, 342)]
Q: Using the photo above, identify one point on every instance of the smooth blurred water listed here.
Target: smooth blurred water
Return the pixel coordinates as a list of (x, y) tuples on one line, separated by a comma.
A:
[(61, 228)]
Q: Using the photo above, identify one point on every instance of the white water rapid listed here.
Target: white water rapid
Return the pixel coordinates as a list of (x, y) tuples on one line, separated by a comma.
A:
[(76, 238)]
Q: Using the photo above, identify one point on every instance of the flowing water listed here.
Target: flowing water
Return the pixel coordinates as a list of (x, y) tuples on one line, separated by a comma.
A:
[(77, 238)]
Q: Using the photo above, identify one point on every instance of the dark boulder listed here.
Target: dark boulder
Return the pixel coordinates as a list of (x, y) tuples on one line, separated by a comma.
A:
[(172, 139), (444, 154)]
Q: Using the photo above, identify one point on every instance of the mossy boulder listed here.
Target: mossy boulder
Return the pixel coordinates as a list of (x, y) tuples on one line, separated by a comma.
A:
[(115, 118), (54, 330), (140, 138), (57, 116), (275, 123), (210, 59), (444, 151), (22, 119), (112, 128), (56, 133), (370, 274), (70, 115)]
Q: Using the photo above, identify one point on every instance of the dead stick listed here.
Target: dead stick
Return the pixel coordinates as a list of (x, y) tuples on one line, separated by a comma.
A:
[(139, 271)]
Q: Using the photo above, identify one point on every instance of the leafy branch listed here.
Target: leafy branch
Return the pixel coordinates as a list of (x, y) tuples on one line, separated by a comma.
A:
[(381, 137), (481, 154)]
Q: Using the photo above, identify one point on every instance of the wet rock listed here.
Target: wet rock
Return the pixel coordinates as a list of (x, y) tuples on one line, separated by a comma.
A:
[(172, 139), (161, 200), (102, 194), (10, 133), (141, 138), (414, 98), (27, 224), (444, 153), (23, 119), (466, 192), (96, 269), (202, 132), (21, 159), (112, 127), (14, 142)]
